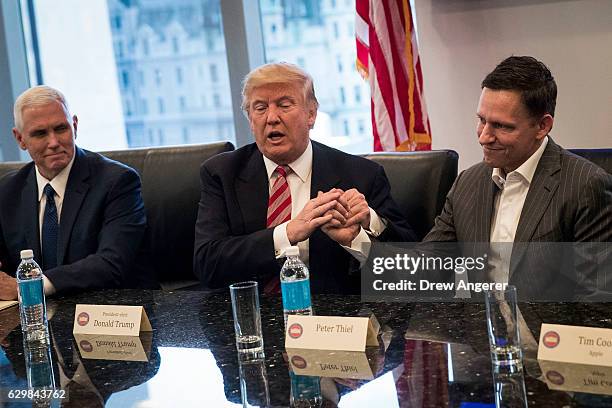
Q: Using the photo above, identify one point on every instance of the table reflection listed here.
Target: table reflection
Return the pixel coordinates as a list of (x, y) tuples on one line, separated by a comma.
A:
[(432, 355)]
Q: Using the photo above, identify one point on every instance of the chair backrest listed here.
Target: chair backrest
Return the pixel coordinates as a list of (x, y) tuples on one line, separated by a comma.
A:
[(419, 183), (601, 157), (171, 193)]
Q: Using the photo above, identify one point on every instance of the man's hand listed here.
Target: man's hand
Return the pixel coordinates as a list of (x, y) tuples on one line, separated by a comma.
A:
[(8, 287), (337, 228), (359, 210), (313, 215)]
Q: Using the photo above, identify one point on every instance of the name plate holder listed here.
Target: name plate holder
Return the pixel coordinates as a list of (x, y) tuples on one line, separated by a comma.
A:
[(115, 320), (575, 344), (331, 332), (121, 348)]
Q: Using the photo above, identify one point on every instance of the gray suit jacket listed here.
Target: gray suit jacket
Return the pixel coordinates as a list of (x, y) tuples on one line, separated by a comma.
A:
[(570, 200)]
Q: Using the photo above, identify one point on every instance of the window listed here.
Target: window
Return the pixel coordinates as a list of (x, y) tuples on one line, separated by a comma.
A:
[(125, 79), (317, 34), (162, 41), (214, 77), (216, 99), (357, 94)]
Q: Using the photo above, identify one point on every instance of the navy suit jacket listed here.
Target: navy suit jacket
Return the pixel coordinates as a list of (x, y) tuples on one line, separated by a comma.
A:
[(102, 225), (232, 243)]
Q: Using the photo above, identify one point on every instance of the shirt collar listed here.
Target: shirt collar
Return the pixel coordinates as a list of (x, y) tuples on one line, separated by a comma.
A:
[(302, 166), (58, 183), (525, 170)]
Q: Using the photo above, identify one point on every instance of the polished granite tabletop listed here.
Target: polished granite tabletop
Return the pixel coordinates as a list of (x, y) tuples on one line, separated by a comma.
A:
[(430, 355)]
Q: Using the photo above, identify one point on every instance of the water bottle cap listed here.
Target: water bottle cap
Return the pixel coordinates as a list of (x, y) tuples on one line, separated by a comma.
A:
[(292, 251), (27, 253)]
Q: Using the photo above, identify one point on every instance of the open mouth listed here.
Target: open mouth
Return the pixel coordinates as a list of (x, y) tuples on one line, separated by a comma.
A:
[(275, 135)]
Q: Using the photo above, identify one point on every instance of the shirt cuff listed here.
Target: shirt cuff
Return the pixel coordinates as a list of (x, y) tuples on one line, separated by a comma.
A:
[(281, 241), (357, 250), (377, 224), (48, 286)]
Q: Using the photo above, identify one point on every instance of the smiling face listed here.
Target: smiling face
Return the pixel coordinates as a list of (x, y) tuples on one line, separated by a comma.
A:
[(506, 131), (280, 120), (48, 135)]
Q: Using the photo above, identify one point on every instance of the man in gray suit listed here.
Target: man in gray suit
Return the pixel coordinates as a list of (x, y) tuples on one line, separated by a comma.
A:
[(528, 189)]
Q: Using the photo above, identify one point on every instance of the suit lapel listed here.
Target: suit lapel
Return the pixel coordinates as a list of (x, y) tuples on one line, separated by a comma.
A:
[(543, 186), (76, 190), (252, 190), (29, 201), (323, 177)]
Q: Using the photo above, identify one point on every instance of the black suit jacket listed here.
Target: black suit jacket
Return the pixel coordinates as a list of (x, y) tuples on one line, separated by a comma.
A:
[(569, 200), (232, 242), (102, 225)]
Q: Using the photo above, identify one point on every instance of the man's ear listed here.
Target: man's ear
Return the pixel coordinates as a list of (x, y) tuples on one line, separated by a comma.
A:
[(75, 122), (19, 138), (545, 125), (312, 116)]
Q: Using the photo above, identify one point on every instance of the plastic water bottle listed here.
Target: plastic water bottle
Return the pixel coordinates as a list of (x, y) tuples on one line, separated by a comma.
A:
[(295, 285), (305, 391), (33, 310)]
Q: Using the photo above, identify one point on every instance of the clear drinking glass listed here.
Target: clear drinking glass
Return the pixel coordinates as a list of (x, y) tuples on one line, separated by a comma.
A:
[(502, 325), (247, 320)]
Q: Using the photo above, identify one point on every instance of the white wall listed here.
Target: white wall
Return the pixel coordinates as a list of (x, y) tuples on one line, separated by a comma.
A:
[(460, 41)]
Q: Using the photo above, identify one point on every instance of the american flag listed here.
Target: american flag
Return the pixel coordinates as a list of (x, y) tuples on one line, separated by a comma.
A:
[(388, 57)]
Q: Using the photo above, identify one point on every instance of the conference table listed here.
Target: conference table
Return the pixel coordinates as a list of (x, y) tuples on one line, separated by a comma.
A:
[(430, 355)]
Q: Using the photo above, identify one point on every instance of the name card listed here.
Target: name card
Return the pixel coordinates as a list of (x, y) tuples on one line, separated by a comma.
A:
[(328, 363), (575, 344), (110, 320), (577, 377), (122, 348), (331, 332), (5, 304)]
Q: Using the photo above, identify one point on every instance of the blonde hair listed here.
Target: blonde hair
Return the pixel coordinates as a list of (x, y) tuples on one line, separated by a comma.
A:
[(37, 96), (279, 73)]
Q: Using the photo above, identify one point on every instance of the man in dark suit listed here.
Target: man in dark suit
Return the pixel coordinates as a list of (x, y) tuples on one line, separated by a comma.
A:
[(528, 189), (80, 213), (285, 190)]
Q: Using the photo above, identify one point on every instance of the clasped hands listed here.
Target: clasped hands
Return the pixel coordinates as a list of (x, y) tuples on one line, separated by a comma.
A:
[(340, 214)]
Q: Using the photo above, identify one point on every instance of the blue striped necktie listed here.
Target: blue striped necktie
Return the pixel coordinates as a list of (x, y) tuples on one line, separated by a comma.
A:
[(50, 230)]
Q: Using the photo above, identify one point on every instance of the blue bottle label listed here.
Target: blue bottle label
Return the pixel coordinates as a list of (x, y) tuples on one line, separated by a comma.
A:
[(296, 295), (31, 292)]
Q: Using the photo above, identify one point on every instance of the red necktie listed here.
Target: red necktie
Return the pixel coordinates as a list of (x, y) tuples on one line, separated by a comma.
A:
[(279, 211), (279, 204)]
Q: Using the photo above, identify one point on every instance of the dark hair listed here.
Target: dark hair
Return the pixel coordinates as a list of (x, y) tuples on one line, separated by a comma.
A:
[(531, 78)]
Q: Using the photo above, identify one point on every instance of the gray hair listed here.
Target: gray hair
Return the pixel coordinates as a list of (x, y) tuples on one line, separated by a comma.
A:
[(36, 96)]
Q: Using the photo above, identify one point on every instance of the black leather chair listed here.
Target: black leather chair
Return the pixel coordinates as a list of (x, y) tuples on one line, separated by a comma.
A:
[(171, 192), (601, 157), (419, 183)]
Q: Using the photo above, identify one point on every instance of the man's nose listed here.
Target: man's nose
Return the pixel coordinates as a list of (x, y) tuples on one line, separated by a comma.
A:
[(52, 139), (273, 114), (486, 135)]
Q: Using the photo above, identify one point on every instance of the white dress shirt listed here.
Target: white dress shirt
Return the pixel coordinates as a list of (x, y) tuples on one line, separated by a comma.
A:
[(59, 185), (299, 180), (509, 201)]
